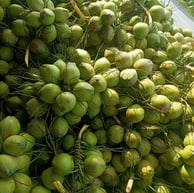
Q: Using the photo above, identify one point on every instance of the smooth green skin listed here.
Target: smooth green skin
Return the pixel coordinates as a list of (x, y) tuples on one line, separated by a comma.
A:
[(83, 91), (49, 92), (23, 182), (5, 3), (33, 19), (8, 165), (7, 185), (15, 145), (4, 90), (10, 125), (115, 134), (47, 16), (59, 127), (48, 177), (90, 138), (135, 113), (40, 189), (94, 165), (63, 164)]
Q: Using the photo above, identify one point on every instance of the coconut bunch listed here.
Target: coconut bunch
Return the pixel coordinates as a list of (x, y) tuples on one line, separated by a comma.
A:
[(96, 96)]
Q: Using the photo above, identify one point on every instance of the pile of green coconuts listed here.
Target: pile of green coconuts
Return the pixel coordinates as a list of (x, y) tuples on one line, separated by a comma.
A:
[(96, 96)]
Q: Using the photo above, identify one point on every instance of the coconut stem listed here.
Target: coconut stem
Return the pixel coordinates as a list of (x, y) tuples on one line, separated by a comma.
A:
[(27, 53), (117, 120), (57, 184), (129, 185), (78, 11), (146, 11), (82, 131)]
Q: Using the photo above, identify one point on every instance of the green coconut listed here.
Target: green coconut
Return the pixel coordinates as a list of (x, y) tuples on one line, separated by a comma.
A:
[(63, 31), (140, 30), (132, 138), (98, 82), (95, 23), (59, 127), (40, 189), (4, 90), (95, 101), (37, 128), (188, 138), (7, 185), (107, 16), (48, 177), (29, 139), (9, 125), (80, 55), (64, 102), (68, 142), (135, 113), (80, 108), (128, 77), (49, 73), (86, 70), (110, 97), (144, 147), (14, 145), (47, 16), (157, 12), (23, 182), (90, 138), (107, 33), (8, 37), (49, 92), (143, 66), (169, 90), (123, 60), (187, 174), (109, 110), (117, 164), (76, 32), (36, 5), (72, 118), (158, 145), (24, 162), (35, 107), (33, 19), (101, 65), (109, 176), (175, 111), (145, 169), (174, 50), (158, 78), (94, 165), (160, 102), (130, 157), (112, 77), (63, 164), (39, 48), (146, 87), (20, 28), (151, 116), (48, 33), (72, 73), (6, 53), (96, 189), (61, 14), (8, 165), (83, 91), (14, 10), (115, 134)]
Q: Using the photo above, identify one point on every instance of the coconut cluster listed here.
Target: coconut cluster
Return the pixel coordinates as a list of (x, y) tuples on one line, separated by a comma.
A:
[(96, 96)]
